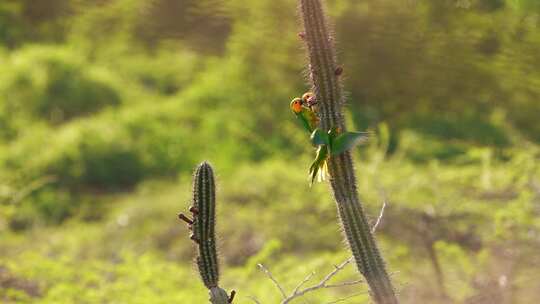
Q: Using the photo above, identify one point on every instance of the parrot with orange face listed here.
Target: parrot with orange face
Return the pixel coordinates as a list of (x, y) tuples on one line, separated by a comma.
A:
[(307, 116), (331, 143)]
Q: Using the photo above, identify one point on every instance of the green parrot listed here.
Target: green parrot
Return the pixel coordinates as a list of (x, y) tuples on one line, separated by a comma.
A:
[(307, 116), (329, 144)]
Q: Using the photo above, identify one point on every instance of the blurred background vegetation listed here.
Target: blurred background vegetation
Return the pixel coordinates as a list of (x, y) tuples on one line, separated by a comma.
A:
[(106, 106)]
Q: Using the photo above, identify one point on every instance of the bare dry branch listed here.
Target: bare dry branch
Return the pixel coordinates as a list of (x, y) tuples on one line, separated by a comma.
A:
[(381, 213), (297, 292), (322, 284), (252, 298), (346, 298), (269, 274), (303, 282), (344, 284)]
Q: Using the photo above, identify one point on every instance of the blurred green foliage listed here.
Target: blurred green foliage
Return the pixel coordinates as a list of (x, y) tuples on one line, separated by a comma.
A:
[(106, 105), (52, 84)]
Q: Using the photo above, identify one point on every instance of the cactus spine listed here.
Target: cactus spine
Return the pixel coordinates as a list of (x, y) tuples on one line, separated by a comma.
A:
[(324, 74), (203, 232)]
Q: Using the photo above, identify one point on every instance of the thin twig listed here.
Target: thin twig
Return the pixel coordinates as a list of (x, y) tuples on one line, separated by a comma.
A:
[(322, 284), (379, 219), (303, 282), (269, 274), (297, 292), (252, 298), (344, 284), (348, 297)]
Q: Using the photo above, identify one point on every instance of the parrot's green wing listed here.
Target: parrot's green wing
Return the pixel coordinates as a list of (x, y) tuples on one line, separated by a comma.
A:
[(347, 141), (319, 137)]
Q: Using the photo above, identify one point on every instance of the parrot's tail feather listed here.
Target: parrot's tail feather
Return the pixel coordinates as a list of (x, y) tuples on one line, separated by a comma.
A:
[(321, 172), (313, 170), (324, 171)]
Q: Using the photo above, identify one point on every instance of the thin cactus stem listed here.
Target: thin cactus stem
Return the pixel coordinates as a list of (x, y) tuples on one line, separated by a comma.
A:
[(203, 228), (204, 201), (324, 74)]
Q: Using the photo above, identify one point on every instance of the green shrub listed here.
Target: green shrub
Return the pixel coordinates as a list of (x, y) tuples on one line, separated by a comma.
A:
[(48, 204), (164, 73), (111, 152), (54, 84), (12, 29), (421, 148), (465, 128)]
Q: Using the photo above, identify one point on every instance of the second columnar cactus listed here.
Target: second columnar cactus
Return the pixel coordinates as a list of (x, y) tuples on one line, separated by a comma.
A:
[(203, 232), (326, 85)]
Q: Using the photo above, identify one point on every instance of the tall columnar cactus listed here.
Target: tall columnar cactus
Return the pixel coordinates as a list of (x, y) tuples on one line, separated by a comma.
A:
[(203, 232), (325, 79)]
